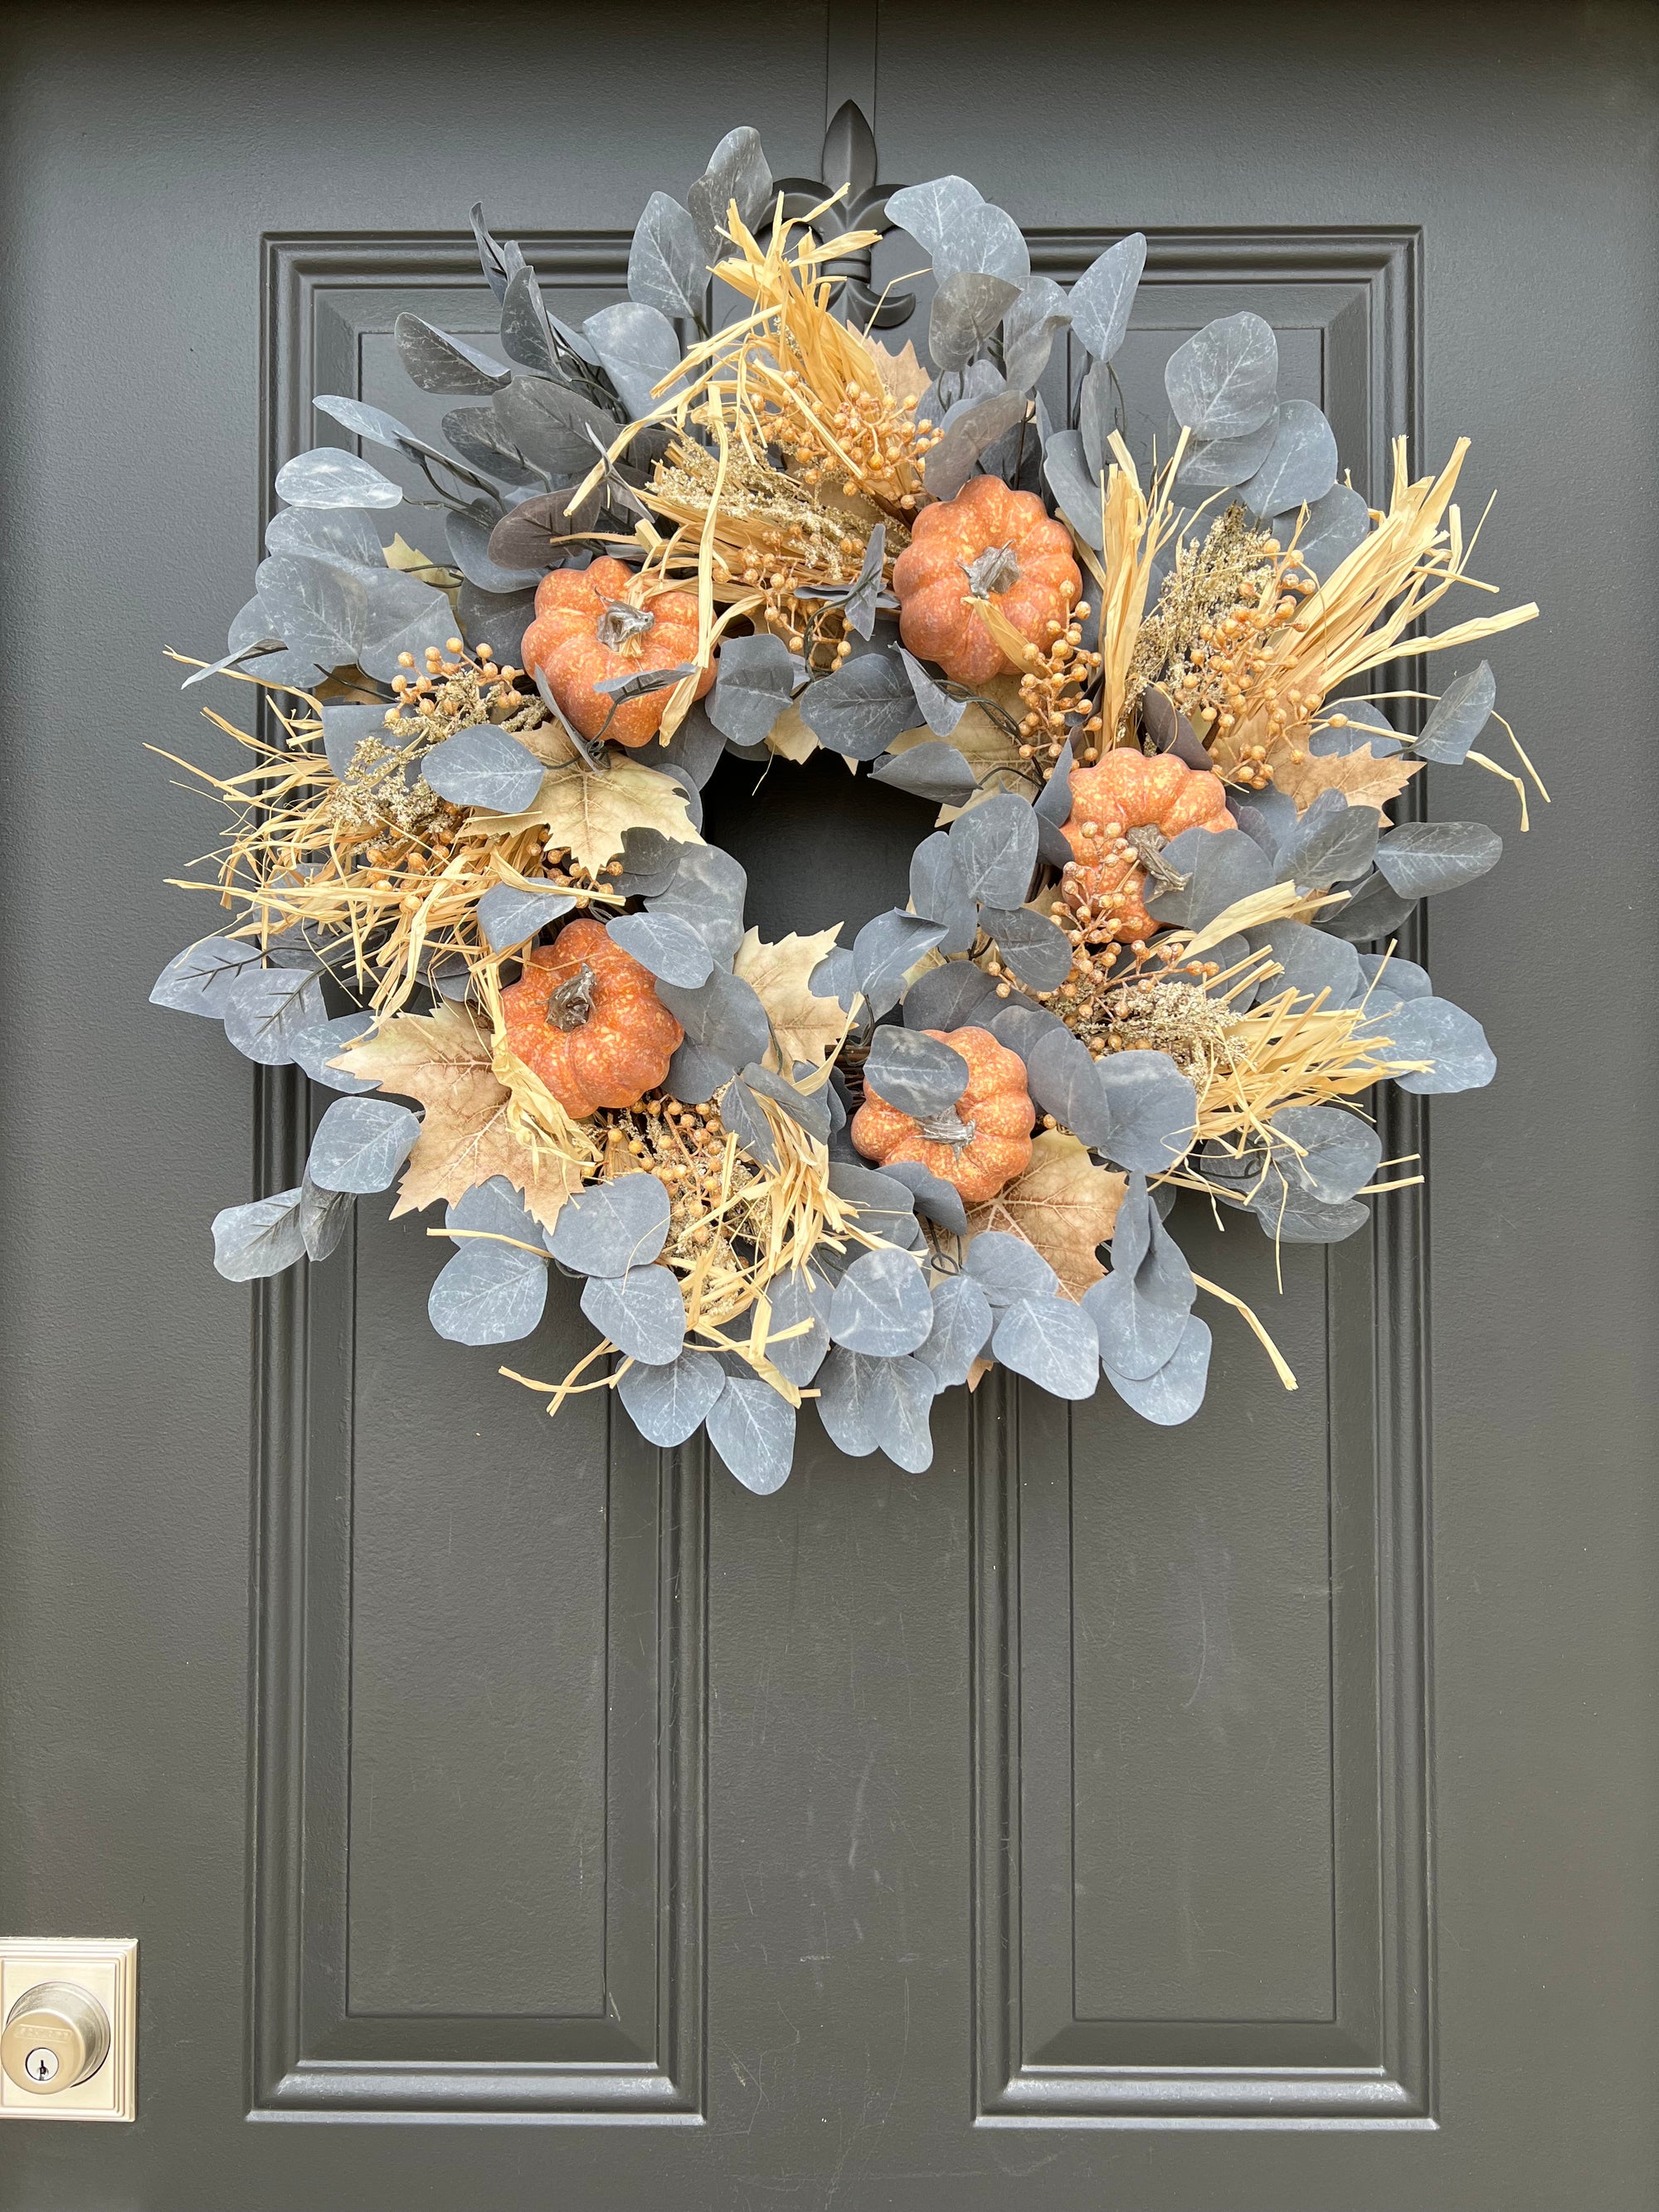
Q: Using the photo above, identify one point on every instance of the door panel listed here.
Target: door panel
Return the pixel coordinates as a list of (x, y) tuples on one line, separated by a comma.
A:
[(1252, 1815)]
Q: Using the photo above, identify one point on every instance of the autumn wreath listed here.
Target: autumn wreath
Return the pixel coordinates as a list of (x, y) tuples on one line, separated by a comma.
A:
[(1148, 948)]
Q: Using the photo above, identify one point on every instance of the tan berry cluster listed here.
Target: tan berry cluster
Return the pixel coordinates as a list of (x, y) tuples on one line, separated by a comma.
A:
[(714, 1190), (455, 690), (870, 442), (1058, 677)]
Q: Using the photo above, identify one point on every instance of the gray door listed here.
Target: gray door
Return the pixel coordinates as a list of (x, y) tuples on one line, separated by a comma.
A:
[(1256, 1814)]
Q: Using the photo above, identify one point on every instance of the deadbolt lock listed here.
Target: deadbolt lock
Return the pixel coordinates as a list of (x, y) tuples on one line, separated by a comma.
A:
[(68, 2020), (56, 2037)]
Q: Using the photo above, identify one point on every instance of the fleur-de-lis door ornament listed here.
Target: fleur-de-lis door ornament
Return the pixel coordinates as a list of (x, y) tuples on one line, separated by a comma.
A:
[(849, 167)]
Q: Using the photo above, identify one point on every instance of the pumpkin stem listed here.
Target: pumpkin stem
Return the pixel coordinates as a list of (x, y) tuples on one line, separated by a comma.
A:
[(1147, 843), (995, 569), (620, 625), (571, 1005), (947, 1128)]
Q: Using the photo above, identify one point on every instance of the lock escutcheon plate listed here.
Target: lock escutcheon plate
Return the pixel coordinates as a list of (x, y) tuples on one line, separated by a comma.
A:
[(69, 2025)]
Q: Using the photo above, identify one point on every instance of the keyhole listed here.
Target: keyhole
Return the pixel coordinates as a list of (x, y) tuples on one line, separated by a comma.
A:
[(41, 2065)]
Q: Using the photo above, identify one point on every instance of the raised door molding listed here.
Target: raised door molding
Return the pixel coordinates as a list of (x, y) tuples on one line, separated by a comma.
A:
[(1367, 2056)]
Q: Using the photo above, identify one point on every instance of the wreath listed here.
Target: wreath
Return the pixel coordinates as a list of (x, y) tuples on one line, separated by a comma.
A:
[(1148, 948)]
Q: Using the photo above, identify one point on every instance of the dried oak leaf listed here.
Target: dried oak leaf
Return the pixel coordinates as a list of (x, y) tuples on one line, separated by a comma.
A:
[(587, 814), (806, 1026), (1063, 1204), (900, 373), (443, 1062), (1362, 780)]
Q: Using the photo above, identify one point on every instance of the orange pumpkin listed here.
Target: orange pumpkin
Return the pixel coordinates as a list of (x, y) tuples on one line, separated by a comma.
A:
[(1123, 813), (981, 1142), (594, 623), (989, 543), (585, 1017)]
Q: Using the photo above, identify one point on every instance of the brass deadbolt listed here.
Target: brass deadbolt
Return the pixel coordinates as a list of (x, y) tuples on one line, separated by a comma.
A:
[(56, 2036)]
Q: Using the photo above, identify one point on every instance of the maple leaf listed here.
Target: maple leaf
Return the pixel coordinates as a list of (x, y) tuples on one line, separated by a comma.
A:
[(790, 736), (1063, 1204), (443, 1060), (1362, 780), (588, 813), (409, 560), (806, 1026), (900, 373)]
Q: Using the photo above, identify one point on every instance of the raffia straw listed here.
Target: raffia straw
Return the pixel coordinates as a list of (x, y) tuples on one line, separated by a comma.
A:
[(1281, 1366), (1359, 617)]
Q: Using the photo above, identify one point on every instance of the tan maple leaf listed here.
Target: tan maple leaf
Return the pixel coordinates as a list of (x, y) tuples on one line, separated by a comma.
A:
[(443, 1060), (790, 736), (901, 372), (586, 814), (806, 1026), (1362, 780), (1063, 1204)]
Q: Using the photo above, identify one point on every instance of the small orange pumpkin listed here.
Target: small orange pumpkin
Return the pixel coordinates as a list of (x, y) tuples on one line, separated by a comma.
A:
[(585, 1017), (1123, 813), (591, 625), (981, 1142), (986, 543)]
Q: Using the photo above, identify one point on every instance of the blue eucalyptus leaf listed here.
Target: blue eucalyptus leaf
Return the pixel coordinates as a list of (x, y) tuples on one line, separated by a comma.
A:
[(1300, 465), (361, 1143), (488, 1293), (641, 1311), (884, 952), (797, 1296), (267, 1011), (1052, 1343), (956, 996), (994, 846), (669, 1404), (668, 947), (667, 268), (707, 892), (755, 682), (934, 771), (1007, 1268), (939, 711), (881, 1307), (484, 767), (510, 917), (1458, 717), (1175, 1392), (724, 1014), (328, 476), (610, 1227), (1224, 381), (1421, 858), (198, 980), (742, 1117), (917, 1073), (1102, 298), (261, 1239), (962, 1320), (1152, 1111), (1037, 950), (939, 1200), (1452, 1041), (753, 1429)]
